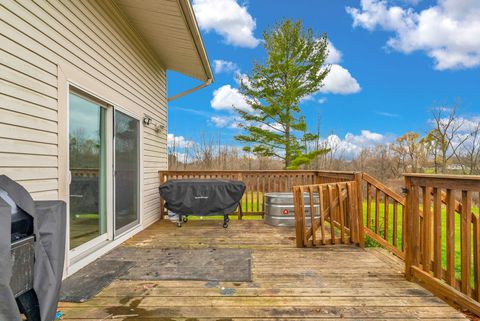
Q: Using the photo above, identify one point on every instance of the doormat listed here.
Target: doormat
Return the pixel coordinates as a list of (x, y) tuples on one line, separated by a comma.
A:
[(90, 280), (130, 263), (232, 265)]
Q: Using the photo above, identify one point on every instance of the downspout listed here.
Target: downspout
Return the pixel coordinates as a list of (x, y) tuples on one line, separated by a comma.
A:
[(191, 90)]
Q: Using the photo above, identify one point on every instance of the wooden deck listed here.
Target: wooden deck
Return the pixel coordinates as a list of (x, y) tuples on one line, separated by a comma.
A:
[(341, 282)]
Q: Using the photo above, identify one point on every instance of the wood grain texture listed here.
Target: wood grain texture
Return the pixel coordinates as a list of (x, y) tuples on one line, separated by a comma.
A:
[(458, 282), (328, 282)]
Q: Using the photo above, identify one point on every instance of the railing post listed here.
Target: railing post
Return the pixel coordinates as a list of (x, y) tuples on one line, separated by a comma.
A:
[(317, 177), (240, 211), (412, 228), (361, 231), (299, 216)]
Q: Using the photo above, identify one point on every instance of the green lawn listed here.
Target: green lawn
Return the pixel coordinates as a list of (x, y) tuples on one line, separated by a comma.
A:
[(86, 216), (252, 206), (372, 243)]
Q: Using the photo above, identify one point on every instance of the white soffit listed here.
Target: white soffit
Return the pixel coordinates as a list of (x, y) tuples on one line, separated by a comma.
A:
[(171, 30)]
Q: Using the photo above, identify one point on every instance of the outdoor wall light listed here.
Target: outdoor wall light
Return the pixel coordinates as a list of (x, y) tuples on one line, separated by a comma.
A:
[(159, 128), (147, 120)]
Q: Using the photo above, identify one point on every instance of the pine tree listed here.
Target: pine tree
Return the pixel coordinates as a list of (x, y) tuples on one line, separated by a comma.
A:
[(294, 69)]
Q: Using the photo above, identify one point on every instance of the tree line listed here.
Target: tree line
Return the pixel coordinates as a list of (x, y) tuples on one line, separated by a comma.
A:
[(450, 146)]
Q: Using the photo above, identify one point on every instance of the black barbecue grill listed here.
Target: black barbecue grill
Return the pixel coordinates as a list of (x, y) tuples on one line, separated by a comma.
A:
[(32, 236), (202, 197)]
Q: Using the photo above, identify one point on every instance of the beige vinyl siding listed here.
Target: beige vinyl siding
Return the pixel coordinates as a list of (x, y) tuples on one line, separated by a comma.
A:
[(93, 41)]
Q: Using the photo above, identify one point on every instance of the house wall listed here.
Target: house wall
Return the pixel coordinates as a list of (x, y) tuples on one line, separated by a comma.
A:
[(44, 47)]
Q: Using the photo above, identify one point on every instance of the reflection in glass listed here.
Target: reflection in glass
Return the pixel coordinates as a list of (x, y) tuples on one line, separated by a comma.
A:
[(126, 170), (87, 167)]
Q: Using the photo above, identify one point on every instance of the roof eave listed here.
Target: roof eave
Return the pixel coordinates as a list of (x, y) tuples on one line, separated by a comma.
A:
[(191, 22)]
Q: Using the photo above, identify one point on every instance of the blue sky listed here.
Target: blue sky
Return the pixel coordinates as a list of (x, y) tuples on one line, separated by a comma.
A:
[(393, 61)]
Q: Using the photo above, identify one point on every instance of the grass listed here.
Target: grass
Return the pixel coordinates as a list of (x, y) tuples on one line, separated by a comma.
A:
[(371, 243), (252, 206)]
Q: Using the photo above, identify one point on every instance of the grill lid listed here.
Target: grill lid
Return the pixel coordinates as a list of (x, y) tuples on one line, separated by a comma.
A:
[(202, 196)]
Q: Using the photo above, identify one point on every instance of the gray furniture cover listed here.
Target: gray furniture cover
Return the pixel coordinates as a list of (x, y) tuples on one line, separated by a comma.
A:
[(49, 227), (202, 196)]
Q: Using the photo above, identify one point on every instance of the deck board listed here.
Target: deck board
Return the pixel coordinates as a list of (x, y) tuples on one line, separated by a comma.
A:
[(327, 283)]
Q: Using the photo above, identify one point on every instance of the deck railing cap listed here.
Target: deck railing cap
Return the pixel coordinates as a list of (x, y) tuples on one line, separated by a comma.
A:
[(444, 176)]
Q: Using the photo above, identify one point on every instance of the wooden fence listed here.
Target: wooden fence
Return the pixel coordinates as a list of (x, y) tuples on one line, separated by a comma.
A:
[(332, 214), (258, 183), (435, 229), (378, 211), (384, 215), (443, 246)]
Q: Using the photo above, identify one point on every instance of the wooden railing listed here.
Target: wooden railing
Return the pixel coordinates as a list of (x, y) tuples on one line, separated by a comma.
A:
[(259, 182), (84, 172), (443, 246), (332, 214), (435, 229), (383, 222), (384, 215)]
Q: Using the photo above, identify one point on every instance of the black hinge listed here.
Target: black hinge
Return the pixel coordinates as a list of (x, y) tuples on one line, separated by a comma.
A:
[(404, 190)]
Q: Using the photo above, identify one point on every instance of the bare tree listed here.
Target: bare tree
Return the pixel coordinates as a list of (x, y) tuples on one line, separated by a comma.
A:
[(468, 155), (445, 136), (451, 141), (409, 152), (204, 151)]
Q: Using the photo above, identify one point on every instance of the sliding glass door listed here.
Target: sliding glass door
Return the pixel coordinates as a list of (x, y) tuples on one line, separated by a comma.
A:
[(126, 155), (104, 164), (88, 165)]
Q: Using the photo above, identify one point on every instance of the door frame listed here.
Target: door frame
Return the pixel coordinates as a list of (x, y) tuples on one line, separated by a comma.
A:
[(96, 248), (70, 76), (87, 247), (124, 230)]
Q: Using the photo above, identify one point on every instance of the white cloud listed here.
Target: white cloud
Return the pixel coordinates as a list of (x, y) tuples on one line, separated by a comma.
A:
[(410, 2), (334, 55), (241, 77), (352, 144), (470, 124), (307, 98), (227, 18), (340, 81), (178, 141), (226, 98), (221, 121), (387, 114), (234, 123), (448, 32), (224, 66), (321, 100), (274, 128), (225, 121), (465, 125)]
